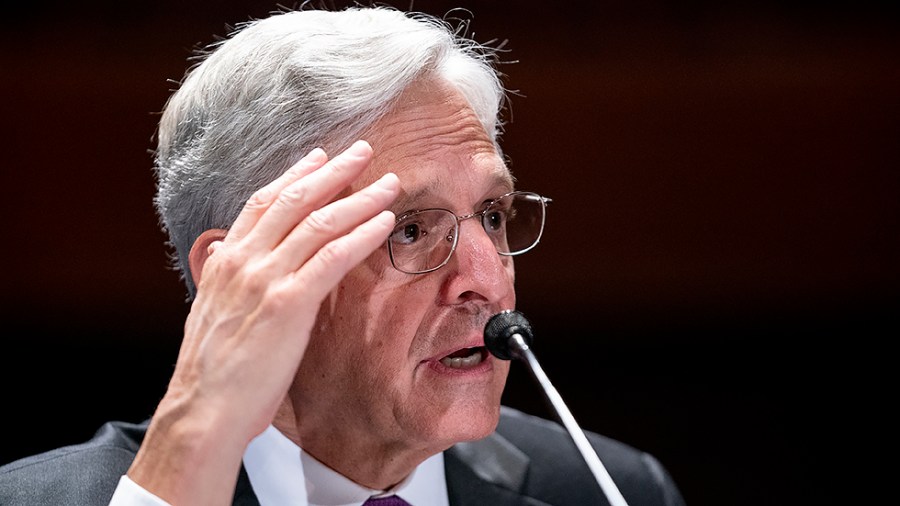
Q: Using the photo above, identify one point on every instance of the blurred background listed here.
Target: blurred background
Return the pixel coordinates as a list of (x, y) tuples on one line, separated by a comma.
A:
[(717, 283)]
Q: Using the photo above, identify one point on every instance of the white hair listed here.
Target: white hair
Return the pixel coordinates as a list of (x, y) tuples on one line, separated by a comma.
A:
[(278, 87)]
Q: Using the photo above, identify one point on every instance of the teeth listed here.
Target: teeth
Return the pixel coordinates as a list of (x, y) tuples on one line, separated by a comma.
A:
[(463, 362)]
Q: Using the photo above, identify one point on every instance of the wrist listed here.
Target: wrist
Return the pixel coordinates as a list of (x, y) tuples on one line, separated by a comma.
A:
[(188, 456)]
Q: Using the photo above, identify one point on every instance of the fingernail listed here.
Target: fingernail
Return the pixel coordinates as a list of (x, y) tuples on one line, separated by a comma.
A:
[(389, 181), (316, 153), (360, 148), (386, 217)]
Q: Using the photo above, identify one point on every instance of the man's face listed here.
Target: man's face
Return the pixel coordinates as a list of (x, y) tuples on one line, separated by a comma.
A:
[(377, 367)]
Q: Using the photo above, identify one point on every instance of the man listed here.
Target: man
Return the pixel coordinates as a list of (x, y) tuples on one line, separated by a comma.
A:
[(322, 363)]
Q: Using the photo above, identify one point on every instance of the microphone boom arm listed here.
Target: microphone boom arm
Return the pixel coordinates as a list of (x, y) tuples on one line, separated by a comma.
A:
[(519, 348)]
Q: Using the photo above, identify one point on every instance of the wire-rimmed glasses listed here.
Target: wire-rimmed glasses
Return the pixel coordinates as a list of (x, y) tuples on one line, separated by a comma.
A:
[(424, 240)]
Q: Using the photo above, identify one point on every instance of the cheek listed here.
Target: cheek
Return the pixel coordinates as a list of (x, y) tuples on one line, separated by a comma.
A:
[(383, 310), (377, 308), (511, 272)]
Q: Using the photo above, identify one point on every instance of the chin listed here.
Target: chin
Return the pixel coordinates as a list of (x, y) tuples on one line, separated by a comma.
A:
[(460, 413), (467, 423)]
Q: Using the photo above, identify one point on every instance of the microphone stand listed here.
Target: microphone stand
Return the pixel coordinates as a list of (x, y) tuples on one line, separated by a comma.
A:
[(519, 348)]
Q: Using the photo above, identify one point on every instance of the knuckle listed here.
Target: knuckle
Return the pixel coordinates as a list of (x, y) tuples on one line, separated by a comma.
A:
[(372, 197), (226, 260), (275, 301), (335, 254), (293, 195), (319, 222), (254, 278), (230, 266), (260, 199)]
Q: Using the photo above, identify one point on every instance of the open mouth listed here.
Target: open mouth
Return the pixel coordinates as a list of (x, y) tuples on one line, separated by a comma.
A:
[(465, 358)]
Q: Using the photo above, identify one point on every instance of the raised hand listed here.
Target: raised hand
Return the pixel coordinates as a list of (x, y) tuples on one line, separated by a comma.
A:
[(260, 286)]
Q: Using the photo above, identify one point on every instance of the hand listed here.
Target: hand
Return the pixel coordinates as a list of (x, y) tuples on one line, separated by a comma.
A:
[(258, 295)]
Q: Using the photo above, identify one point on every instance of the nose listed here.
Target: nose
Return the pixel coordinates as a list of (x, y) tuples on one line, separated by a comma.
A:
[(476, 272)]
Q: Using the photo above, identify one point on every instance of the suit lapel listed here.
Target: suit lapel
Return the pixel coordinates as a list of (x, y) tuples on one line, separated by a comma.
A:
[(489, 471), (243, 492)]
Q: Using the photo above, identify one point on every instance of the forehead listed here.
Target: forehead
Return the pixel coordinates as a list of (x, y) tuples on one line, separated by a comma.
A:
[(435, 143)]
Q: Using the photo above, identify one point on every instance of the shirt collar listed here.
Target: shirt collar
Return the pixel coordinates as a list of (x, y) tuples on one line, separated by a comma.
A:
[(273, 463)]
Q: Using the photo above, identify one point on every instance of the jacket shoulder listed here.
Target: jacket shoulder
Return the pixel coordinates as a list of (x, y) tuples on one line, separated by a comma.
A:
[(86, 473), (557, 473)]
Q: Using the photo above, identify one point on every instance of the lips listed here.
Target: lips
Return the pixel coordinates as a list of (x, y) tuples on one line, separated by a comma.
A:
[(465, 358)]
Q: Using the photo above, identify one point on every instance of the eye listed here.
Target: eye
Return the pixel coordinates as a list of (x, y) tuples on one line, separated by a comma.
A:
[(408, 232), (494, 220)]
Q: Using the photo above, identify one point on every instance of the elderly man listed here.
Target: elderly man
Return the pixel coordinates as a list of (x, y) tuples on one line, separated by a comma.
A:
[(340, 209)]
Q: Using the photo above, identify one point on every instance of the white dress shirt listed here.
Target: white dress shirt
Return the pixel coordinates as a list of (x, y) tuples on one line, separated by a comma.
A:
[(273, 463)]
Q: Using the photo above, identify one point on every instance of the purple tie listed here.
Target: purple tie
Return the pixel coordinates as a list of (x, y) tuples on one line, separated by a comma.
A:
[(390, 500)]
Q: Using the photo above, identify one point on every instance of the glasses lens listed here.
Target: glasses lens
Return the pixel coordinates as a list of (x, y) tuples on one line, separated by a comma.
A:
[(515, 222), (423, 241)]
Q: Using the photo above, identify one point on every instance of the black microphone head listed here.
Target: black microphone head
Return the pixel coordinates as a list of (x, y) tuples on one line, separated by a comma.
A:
[(501, 327)]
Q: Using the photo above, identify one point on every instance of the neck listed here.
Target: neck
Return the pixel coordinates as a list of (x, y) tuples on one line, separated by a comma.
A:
[(339, 445)]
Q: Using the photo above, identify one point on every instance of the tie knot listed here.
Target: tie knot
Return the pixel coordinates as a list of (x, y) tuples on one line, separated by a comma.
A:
[(390, 500)]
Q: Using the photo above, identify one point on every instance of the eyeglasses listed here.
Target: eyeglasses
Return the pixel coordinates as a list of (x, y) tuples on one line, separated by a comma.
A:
[(424, 240)]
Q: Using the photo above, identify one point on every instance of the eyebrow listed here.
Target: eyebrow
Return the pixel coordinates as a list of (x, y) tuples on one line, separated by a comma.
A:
[(406, 200)]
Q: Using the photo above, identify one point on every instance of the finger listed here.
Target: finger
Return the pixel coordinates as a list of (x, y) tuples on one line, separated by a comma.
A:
[(332, 262), (257, 204), (336, 219), (302, 196)]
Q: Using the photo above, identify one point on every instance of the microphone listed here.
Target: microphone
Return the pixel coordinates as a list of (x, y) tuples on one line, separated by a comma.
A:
[(508, 335), (500, 331)]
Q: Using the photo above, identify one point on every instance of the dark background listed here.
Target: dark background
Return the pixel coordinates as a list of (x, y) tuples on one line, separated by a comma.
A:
[(718, 280)]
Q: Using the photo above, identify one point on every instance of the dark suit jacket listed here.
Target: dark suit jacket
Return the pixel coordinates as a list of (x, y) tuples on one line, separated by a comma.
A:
[(527, 461)]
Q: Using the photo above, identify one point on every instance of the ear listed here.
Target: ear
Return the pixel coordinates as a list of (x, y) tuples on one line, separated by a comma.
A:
[(200, 251)]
